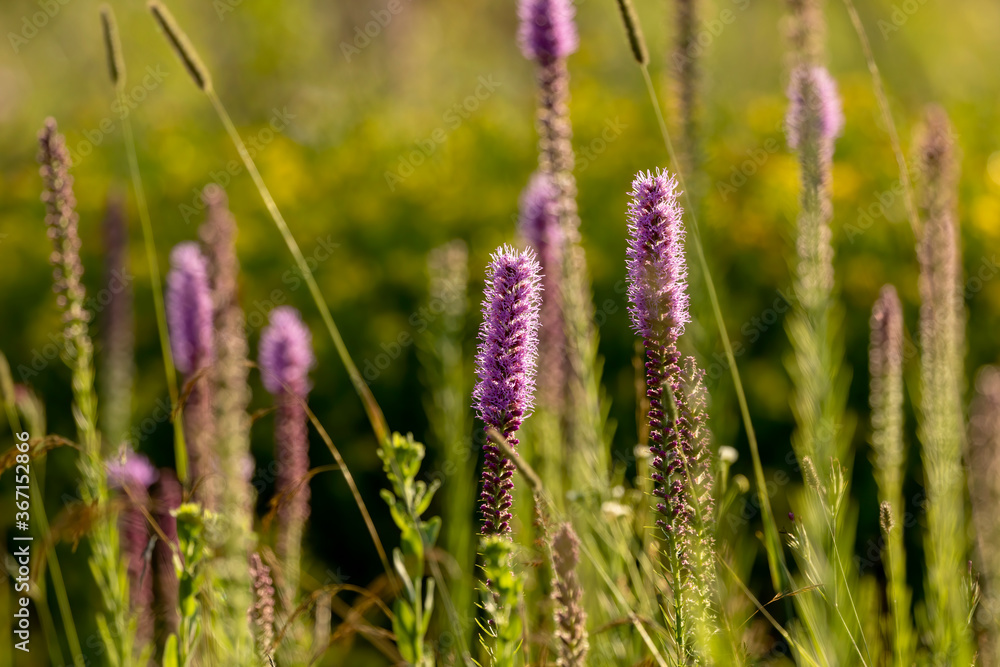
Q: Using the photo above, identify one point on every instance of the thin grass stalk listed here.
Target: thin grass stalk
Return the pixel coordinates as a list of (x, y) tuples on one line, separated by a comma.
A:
[(118, 79), (890, 125), (941, 424), (185, 51), (886, 400)]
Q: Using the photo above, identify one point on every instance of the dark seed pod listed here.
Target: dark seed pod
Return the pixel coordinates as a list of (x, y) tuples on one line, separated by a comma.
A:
[(182, 45), (635, 38), (113, 46)]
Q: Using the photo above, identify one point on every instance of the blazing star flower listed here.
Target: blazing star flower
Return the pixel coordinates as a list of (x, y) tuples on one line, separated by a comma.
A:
[(262, 611), (189, 308), (135, 472), (505, 364), (539, 226), (285, 359), (657, 272), (134, 476), (547, 31), (190, 320), (286, 353), (678, 436), (814, 107)]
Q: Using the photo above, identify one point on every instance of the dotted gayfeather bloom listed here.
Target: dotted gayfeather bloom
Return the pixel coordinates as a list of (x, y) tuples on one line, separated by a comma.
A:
[(814, 111), (547, 31), (677, 432), (166, 497), (134, 476), (286, 357), (506, 365), (63, 222), (886, 368), (189, 317), (886, 400), (813, 122), (806, 30), (548, 35), (231, 397), (657, 271), (567, 593), (941, 335), (262, 611), (189, 309), (539, 226)]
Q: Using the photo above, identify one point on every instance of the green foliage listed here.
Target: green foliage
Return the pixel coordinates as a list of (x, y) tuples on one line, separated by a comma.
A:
[(502, 628), (189, 563), (408, 500)]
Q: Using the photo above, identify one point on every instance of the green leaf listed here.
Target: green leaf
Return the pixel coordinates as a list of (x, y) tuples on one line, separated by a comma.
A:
[(404, 625), (430, 530), (170, 658)]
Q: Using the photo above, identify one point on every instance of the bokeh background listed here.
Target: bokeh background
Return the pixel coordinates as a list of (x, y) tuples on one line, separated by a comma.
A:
[(356, 111)]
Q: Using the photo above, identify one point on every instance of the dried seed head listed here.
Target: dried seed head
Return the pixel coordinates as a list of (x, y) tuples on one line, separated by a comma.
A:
[(810, 475), (635, 39), (886, 519), (182, 45), (113, 46)]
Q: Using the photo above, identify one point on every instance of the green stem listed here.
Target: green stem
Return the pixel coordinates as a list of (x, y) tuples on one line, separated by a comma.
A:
[(371, 407), (180, 449)]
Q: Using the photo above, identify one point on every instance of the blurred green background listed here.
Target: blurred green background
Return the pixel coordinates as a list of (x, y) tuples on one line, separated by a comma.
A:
[(355, 112)]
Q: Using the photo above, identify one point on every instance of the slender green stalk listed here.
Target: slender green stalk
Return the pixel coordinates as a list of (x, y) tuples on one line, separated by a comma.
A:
[(890, 124), (372, 409), (118, 78)]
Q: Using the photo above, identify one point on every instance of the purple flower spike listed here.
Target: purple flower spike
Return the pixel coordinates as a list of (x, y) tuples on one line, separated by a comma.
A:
[(285, 359), (505, 364), (286, 354), (547, 30), (539, 226), (814, 108), (136, 472), (657, 271), (678, 433), (189, 308)]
